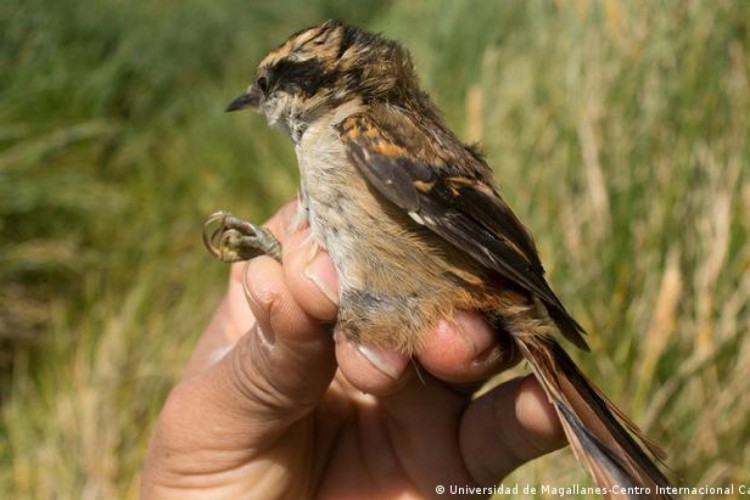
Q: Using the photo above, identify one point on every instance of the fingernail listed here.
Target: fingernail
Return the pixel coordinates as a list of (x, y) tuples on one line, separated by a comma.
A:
[(475, 332), (388, 362), (315, 272), (267, 338)]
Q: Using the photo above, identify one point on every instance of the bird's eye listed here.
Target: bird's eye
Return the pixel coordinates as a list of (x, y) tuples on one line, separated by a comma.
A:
[(262, 83)]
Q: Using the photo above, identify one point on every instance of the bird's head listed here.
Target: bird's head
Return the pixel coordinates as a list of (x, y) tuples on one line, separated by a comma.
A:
[(320, 68)]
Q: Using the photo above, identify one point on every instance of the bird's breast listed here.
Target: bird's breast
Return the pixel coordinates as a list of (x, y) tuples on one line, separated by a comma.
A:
[(338, 202), (395, 276)]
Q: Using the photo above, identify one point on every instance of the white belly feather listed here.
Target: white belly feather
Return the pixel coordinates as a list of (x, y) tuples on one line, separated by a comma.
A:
[(331, 192)]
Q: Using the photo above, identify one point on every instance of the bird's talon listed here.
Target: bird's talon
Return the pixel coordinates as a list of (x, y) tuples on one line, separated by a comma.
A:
[(235, 240)]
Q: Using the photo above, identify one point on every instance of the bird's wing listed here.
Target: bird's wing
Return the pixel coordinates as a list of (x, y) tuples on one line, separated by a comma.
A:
[(462, 208)]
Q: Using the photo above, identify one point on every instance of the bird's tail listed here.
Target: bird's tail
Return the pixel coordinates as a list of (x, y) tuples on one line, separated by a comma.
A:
[(601, 436)]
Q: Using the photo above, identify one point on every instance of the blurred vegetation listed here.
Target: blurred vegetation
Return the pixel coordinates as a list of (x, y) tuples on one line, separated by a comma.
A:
[(619, 132)]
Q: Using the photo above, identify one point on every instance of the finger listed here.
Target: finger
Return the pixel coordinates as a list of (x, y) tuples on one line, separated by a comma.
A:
[(507, 427), (461, 351), (272, 377), (310, 275), (423, 418), (371, 369), (239, 315), (466, 349), (276, 309), (233, 318)]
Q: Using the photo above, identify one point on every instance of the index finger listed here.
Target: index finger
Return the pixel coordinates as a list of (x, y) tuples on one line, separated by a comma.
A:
[(233, 318)]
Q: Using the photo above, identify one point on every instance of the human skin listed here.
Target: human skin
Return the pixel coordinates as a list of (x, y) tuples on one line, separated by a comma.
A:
[(271, 405)]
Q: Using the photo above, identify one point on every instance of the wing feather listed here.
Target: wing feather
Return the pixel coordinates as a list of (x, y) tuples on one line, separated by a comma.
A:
[(466, 211)]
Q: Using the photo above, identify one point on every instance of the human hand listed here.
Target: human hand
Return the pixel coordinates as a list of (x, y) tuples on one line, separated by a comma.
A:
[(272, 406)]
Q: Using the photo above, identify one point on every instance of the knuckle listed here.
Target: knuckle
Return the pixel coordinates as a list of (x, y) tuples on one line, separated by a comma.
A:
[(264, 383)]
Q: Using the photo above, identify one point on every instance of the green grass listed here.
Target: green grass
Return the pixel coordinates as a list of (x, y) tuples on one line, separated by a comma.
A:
[(619, 133)]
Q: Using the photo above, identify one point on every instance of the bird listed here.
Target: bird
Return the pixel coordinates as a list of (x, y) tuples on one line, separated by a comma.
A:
[(417, 229)]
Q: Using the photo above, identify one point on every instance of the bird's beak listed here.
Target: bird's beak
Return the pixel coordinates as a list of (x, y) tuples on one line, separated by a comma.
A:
[(250, 99)]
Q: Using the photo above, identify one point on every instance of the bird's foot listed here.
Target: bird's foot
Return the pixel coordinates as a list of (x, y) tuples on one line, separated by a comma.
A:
[(231, 239)]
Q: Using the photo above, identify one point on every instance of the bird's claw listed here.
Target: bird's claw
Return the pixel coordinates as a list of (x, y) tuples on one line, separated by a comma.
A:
[(231, 239)]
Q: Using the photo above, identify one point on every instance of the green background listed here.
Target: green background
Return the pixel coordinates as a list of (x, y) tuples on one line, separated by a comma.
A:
[(618, 132)]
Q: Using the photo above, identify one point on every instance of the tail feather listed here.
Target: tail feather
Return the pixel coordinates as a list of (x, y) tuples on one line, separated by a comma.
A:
[(600, 435)]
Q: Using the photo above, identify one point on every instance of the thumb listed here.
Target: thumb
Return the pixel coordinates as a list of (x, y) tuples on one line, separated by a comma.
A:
[(272, 377)]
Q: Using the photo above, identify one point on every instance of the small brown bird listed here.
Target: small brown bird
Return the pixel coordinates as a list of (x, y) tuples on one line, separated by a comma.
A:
[(416, 228)]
